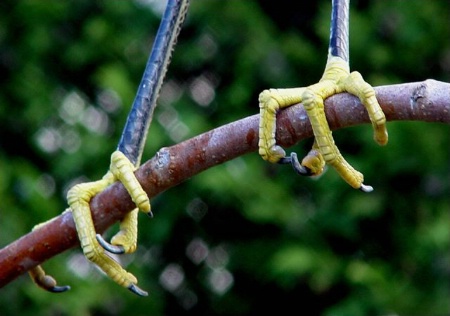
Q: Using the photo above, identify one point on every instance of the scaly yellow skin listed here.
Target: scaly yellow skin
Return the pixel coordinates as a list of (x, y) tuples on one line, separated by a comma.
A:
[(336, 79), (79, 196)]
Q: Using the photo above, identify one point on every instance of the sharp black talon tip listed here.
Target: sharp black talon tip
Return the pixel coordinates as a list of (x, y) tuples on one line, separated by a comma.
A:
[(285, 160), (150, 214), (118, 250), (137, 290), (59, 289), (302, 170), (365, 188), (293, 160)]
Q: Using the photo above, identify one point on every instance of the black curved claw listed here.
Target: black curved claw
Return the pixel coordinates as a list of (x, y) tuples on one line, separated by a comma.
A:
[(365, 188), (118, 250), (150, 214), (137, 290), (293, 160), (59, 289)]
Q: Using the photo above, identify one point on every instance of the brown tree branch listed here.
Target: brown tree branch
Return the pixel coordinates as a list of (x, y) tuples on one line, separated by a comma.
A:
[(427, 101)]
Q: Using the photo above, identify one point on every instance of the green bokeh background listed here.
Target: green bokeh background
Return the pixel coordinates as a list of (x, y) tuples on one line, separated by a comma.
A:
[(244, 237)]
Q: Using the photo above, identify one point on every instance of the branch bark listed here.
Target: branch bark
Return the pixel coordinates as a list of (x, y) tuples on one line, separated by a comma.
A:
[(427, 101)]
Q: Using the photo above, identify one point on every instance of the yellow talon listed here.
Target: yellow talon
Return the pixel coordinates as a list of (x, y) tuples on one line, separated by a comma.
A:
[(46, 282), (127, 235), (78, 198), (314, 162), (270, 101), (123, 170), (336, 79)]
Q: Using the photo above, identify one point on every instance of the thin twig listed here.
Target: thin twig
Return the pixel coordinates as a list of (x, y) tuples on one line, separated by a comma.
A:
[(427, 101)]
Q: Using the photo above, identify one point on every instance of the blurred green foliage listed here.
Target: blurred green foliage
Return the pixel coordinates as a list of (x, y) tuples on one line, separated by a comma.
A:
[(244, 237)]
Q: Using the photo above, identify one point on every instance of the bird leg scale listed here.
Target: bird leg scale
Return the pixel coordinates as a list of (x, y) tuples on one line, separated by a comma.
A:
[(336, 79), (78, 197)]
